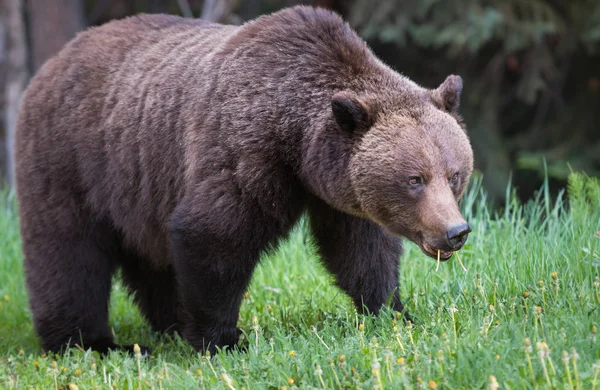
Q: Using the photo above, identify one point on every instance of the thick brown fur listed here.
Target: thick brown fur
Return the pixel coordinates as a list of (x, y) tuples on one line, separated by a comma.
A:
[(179, 150)]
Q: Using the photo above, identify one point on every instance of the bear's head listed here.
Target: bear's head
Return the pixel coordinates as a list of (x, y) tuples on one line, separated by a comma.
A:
[(411, 161)]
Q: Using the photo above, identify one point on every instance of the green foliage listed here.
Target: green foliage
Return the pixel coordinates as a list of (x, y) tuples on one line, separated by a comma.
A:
[(526, 313), (471, 24), (584, 193)]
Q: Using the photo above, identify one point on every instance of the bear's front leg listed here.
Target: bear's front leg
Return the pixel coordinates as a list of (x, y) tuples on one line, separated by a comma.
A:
[(364, 257), (216, 238)]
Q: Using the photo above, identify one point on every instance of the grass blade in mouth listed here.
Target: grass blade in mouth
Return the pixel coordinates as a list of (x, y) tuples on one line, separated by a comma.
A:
[(438, 263), (459, 262)]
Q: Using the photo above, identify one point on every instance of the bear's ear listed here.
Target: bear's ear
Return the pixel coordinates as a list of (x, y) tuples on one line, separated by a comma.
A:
[(447, 95), (351, 113)]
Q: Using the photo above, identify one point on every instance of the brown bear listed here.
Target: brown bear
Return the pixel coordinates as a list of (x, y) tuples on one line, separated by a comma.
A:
[(178, 151)]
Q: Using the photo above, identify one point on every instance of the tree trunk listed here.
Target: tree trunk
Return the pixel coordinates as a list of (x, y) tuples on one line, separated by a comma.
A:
[(16, 70), (3, 70), (219, 11), (481, 111), (157, 6), (52, 23), (340, 6)]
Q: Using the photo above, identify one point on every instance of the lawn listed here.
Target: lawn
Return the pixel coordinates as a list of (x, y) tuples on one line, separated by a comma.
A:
[(524, 315)]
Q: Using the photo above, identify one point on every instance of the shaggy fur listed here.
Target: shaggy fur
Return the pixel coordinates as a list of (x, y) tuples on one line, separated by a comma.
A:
[(179, 150)]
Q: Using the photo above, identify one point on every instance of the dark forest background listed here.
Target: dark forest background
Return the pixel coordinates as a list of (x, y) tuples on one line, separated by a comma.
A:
[(531, 67)]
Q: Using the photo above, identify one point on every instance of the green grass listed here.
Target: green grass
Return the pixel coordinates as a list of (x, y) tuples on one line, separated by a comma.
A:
[(532, 275)]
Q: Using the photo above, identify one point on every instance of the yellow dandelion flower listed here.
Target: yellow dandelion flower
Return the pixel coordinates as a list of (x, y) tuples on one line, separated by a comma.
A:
[(78, 372), (290, 381), (292, 353), (432, 385), (526, 294), (493, 383), (554, 275), (361, 327), (342, 358)]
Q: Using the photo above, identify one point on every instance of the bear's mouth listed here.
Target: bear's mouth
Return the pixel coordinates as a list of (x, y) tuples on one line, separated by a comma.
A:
[(430, 251)]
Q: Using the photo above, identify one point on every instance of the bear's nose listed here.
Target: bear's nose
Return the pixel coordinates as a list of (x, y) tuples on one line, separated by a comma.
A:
[(457, 235)]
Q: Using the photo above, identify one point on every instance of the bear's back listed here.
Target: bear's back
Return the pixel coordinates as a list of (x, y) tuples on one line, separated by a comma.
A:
[(103, 118)]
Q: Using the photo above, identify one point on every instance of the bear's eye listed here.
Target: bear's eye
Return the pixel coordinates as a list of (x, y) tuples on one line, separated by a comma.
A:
[(414, 180), (454, 178)]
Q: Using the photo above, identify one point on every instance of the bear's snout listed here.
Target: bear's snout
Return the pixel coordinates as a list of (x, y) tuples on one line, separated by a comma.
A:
[(446, 242), (457, 235)]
